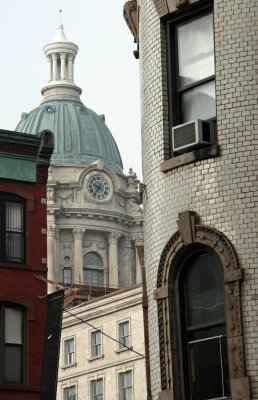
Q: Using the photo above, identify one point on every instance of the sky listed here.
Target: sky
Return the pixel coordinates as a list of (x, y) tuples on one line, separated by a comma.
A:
[(105, 68)]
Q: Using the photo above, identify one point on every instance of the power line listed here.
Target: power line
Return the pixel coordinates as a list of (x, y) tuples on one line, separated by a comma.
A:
[(103, 333)]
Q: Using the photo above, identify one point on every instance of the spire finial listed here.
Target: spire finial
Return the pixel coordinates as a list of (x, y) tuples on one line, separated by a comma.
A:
[(60, 15)]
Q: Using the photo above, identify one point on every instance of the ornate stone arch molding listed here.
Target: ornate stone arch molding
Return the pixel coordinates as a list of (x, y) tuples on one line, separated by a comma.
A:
[(192, 235)]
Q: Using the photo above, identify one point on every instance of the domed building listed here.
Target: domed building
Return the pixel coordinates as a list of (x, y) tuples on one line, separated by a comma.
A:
[(94, 216)]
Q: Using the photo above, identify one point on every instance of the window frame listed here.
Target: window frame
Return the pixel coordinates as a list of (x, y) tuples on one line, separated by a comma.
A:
[(183, 332), (65, 270), (189, 236), (96, 396), (93, 268), (94, 346), (66, 392), (67, 354), (121, 389), (4, 198), (3, 344), (174, 107), (121, 344)]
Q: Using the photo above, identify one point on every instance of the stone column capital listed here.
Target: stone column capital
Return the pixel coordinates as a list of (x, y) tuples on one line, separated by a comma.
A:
[(63, 56), (78, 233), (138, 240), (54, 56), (113, 237), (51, 230)]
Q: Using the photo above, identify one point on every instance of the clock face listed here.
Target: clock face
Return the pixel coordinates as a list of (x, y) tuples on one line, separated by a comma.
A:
[(98, 187)]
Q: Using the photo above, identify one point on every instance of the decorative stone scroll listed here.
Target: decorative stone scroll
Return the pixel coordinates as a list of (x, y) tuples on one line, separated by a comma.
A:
[(190, 233)]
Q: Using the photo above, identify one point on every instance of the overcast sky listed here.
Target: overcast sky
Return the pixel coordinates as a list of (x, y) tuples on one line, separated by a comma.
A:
[(105, 68)]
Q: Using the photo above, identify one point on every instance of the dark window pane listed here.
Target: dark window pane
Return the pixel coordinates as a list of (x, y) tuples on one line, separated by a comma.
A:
[(14, 247), (92, 258), (205, 291), (13, 364), (208, 369), (93, 276), (67, 275)]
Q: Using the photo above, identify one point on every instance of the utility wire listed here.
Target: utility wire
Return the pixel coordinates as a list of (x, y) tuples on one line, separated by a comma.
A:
[(103, 333)]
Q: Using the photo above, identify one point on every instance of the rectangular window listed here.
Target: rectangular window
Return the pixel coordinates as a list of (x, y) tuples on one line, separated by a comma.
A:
[(196, 79), (11, 344), (124, 334), (67, 275), (93, 277), (12, 229), (125, 385), (97, 389), (96, 344), (192, 81), (69, 353), (70, 393)]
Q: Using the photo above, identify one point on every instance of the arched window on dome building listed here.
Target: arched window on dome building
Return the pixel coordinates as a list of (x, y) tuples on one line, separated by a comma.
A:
[(93, 269)]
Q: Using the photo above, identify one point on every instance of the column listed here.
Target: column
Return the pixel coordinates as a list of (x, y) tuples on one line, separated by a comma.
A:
[(128, 270), (113, 238), (51, 256), (54, 64), (78, 260), (63, 72), (70, 67), (50, 69)]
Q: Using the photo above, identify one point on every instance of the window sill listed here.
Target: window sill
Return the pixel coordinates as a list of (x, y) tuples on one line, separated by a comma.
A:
[(96, 357), (187, 158), (69, 365), (124, 349)]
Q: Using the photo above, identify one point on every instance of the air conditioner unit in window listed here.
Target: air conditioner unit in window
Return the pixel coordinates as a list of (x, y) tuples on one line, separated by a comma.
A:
[(190, 135)]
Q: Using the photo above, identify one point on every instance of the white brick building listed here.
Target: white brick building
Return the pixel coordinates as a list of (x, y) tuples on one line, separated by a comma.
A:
[(198, 60)]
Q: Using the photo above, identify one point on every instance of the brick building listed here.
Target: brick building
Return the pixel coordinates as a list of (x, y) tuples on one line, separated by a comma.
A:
[(24, 161), (198, 66)]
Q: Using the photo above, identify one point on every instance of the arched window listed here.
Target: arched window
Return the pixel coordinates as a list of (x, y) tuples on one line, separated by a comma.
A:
[(93, 272), (199, 297), (199, 316)]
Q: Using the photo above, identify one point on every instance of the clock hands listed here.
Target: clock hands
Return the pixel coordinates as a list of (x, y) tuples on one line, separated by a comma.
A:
[(99, 186)]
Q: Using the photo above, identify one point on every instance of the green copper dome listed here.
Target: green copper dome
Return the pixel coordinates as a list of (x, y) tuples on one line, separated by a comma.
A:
[(81, 136)]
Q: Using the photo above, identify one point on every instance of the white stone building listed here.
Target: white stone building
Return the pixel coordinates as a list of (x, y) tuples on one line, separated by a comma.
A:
[(199, 61), (92, 366), (94, 216)]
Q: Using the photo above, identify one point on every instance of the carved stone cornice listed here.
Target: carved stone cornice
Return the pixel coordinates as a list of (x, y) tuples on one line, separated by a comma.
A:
[(190, 233)]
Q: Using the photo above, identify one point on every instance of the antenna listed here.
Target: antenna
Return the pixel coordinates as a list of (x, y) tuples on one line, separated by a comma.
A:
[(60, 15)]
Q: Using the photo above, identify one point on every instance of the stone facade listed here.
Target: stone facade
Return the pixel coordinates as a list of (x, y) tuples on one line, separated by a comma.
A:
[(221, 190), (112, 359)]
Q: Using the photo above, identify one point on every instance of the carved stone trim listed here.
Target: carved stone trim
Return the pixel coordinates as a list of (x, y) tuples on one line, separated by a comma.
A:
[(190, 234), (186, 225), (165, 7)]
